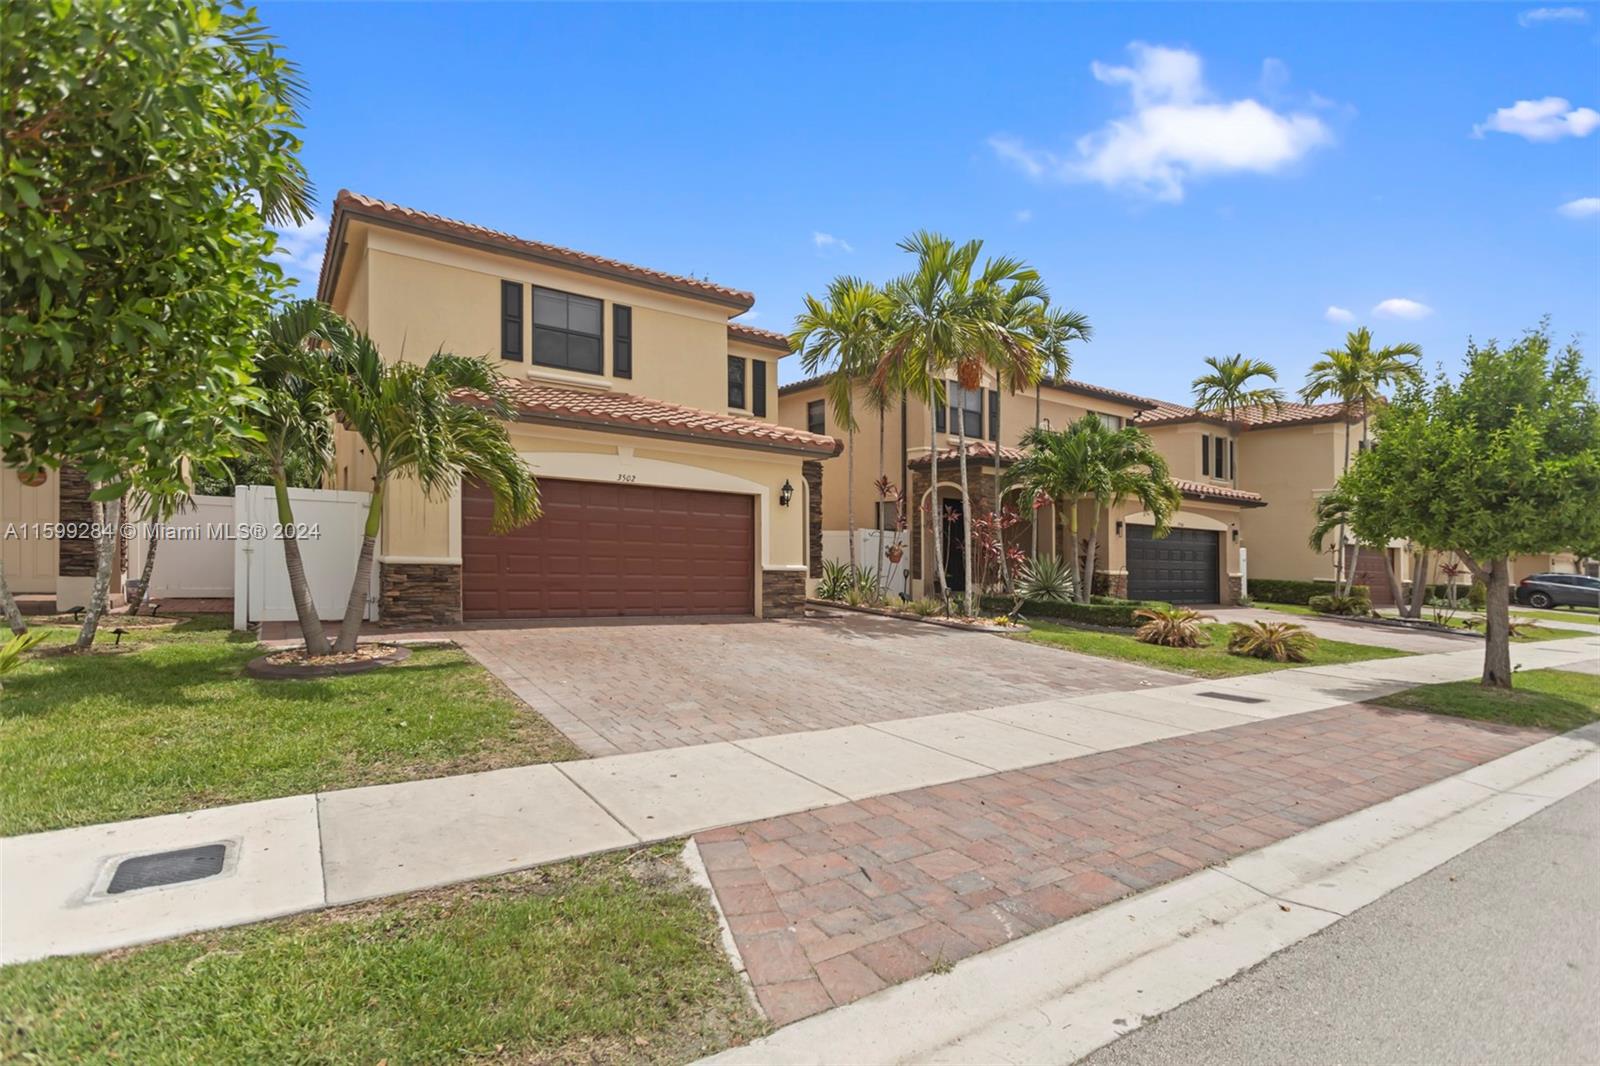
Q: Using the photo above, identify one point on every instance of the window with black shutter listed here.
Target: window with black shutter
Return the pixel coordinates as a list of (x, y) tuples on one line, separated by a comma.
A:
[(1205, 454), (994, 415), (1217, 461), (511, 320), (939, 417), (817, 416), (621, 341), (567, 331), (735, 381), (1230, 458), (758, 387)]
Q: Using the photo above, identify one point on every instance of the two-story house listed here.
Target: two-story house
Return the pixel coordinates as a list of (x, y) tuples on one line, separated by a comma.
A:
[(668, 484), (1198, 562)]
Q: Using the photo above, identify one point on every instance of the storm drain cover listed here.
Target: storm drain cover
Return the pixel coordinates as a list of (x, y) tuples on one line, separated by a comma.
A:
[(168, 868), (1234, 696)]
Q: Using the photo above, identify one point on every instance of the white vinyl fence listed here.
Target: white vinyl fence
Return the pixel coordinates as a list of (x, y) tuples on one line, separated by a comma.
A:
[(869, 544), (330, 525), (194, 557)]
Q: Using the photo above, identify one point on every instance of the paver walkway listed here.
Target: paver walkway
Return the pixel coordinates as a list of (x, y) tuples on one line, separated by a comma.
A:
[(830, 905)]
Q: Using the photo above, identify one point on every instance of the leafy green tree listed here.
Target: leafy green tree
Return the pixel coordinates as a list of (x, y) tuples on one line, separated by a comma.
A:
[(435, 423), (1229, 387), (1504, 462), (841, 335), (148, 146)]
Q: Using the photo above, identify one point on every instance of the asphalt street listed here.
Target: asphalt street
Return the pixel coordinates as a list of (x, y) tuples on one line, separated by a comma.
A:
[(1491, 958)]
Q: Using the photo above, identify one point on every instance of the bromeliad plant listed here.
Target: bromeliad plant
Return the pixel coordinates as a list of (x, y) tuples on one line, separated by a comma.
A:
[(1172, 627), (1280, 642), (435, 423), (1046, 578)]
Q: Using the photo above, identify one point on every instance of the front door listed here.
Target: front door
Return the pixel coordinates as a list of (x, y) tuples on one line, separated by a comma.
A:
[(955, 547)]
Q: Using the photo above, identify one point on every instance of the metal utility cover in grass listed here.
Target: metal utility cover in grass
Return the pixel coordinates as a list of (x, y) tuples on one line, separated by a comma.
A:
[(1234, 696), (168, 868)]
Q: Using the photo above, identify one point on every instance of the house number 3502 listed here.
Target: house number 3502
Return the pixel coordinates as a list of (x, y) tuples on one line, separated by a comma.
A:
[(630, 478)]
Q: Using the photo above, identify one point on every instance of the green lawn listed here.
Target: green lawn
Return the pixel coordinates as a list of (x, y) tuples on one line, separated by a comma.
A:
[(609, 959), (1284, 608), (173, 726), (1582, 616), (1210, 661), (1542, 699)]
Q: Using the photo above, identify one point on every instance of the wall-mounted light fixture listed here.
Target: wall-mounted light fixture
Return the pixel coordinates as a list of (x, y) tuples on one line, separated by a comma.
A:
[(786, 494), (1236, 534), (1119, 527)]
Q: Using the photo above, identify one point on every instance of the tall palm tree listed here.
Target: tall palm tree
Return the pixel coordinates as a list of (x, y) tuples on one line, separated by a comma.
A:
[(948, 315), (1055, 466), (1356, 375), (294, 428), (842, 335), (1124, 464), (1228, 388), (1055, 330), (436, 423)]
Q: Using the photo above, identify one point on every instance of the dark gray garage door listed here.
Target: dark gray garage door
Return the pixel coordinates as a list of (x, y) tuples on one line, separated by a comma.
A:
[(1179, 568)]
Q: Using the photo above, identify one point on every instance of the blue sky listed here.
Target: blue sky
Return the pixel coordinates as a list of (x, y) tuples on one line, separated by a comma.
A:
[(1199, 180)]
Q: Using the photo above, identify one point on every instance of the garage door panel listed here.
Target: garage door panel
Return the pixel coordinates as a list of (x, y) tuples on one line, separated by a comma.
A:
[(1179, 568), (606, 549)]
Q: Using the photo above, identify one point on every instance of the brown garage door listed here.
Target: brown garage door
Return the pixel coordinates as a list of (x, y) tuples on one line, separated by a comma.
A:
[(610, 549)]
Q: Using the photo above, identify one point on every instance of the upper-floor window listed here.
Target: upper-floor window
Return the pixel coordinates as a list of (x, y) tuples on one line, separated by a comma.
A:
[(567, 331), (1205, 454), (967, 405), (1111, 422), (621, 341), (735, 381), (758, 387), (1219, 463), (511, 320), (817, 416)]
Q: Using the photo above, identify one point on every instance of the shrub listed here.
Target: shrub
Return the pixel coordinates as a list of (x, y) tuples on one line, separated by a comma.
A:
[(835, 580), (1045, 578), (1113, 614), (1357, 603), (925, 607), (1171, 627), (1269, 590), (1281, 642), (1478, 596)]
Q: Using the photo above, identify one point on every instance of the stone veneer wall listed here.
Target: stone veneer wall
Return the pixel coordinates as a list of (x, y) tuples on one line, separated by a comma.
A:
[(419, 594), (811, 469), (980, 484), (1233, 589), (76, 553), (783, 593)]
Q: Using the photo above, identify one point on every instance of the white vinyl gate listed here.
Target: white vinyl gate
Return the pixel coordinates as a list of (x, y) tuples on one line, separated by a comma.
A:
[(331, 524)]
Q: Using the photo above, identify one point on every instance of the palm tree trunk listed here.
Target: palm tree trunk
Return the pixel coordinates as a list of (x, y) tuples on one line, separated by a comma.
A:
[(877, 507), (1094, 548), (1077, 560), (13, 615), (966, 516), (850, 498), (1344, 570), (141, 591), (106, 516), (935, 509), (1037, 416), (999, 524), (305, 607), (356, 605)]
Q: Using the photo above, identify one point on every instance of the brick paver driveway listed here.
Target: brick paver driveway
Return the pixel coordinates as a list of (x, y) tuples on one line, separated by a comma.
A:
[(625, 687)]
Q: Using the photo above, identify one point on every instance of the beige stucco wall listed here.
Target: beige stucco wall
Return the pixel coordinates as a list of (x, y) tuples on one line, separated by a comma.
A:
[(30, 560), (1291, 467)]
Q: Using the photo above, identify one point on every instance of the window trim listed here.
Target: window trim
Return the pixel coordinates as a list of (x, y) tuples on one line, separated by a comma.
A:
[(758, 387), (743, 403), (1205, 455), (534, 326), (957, 397), (507, 289), (621, 339), (1220, 457), (817, 417)]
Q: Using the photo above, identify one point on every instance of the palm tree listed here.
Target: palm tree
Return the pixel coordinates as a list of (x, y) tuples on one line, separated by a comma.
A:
[(1357, 376), (842, 336), (948, 316), (1055, 466), (294, 426), (1226, 390), (1124, 464), (158, 505), (1055, 329), (436, 423)]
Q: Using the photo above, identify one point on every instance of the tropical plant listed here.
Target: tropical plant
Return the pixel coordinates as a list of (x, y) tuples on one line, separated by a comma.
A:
[(1172, 627), (1356, 603), (954, 314), (1280, 642), (158, 505), (926, 607), (1055, 330), (1516, 628), (12, 650), (835, 580), (434, 423), (1369, 520), (841, 335), (1503, 462), (1228, 388), (1045, 579), (1356, 376), (997, 564)]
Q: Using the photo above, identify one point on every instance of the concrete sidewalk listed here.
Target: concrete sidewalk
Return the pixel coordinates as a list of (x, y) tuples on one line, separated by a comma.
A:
[(304, 852)]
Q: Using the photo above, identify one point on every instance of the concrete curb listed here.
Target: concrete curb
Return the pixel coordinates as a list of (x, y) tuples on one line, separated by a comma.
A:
[(1061, 993)]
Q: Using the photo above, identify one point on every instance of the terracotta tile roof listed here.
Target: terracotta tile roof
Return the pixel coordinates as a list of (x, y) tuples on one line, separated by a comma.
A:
[(1251, 418), (1070, 385), (766, 338), (803, 383), (976, 449), (348, 204), (1200, 490), (552, 405)]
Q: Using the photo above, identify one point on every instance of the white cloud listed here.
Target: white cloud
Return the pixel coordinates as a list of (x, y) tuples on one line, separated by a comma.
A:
[(1583, 207), (1400, 307), (1025, 215), (827, 242), (300, 248), (1552, 14), (1549, 119), (1335, 313), (1274, 75), (1176, 131)]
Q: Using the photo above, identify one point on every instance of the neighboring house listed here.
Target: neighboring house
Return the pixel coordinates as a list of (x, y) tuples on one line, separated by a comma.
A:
[(668, 484), (45, 536), (1198, 562)]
